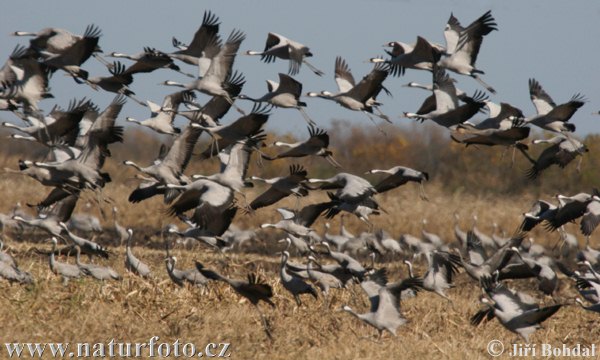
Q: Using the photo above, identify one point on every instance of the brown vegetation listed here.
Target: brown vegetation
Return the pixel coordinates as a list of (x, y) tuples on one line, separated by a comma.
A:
[(472, 180)]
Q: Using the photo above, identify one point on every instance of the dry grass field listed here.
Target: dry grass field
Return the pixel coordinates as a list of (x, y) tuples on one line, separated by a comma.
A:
[(134, 310)]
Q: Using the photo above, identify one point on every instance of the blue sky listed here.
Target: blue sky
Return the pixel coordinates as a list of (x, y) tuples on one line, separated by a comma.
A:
[(553, 41)]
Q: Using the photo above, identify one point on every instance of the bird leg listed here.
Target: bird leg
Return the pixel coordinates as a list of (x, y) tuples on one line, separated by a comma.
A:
[(132, 97), (103, 61), (578, 168), (512, 161), (374, 123), (186, 74), (230, 101), (422, 193), (381, 115), (265, 323), (330, 159), (306, 117), (483, 83), (312, 68)]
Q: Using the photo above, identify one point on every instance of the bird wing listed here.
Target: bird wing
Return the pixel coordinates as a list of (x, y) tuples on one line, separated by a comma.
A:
[(187, 200), (565, 214), (452, 33), (287, 84), (591, 218), (371, 286), (423, 51), (102, 133), (180, 152), (269, 197), (390, 182), (464, 112), (204, 35), (444, 91), (470, 38), (273, 40), (286, 214), (483, 315), (217, 106), (220, 67), (80, 50), (63, 209), (215, 223), (475, 249), (370, 85), (534, 316), (309, 214), (343, 75), (539, 97), (151, 60), (564, 112), (296, 55), (441, 269), (499, 137), (239, 157)]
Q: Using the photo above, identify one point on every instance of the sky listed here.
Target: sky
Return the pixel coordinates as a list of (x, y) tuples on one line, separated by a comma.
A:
[(543, 39)]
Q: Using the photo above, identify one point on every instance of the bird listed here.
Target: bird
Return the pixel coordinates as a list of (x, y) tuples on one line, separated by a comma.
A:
[(71, 57), (281, 187), (357, 97), (60, 212), (492, 137), (148, 61), (254, 288), (547, 279), (442, 267), (10, 271), (593, 308), (571, 208), (162, 116), (204, 45), (421, 56), (235, 159), (349, 264), (552, 117), (96, 271), (27, 81), (540, 210), (219, 71), (285, 94), (291, 223), (463, 45), (278, 46), (66, 271), (384, 313), (398, 176), (13, 274), (514, 311), (323, 280), (295, 285), (118, 82), (214, 109), (317, 144), (132, 263), (193, 277), (169, 167), (562, 150), (86, 246), (354, 194), (496, 262), (242, 128), (447, 112)]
